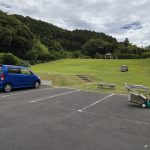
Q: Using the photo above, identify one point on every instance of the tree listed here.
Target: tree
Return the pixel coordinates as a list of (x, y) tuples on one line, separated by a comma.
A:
[(94, 46), (121, 49), (21, 46), (55, 46), (39, 47), (5, 38), (126, 42), (32, 56)]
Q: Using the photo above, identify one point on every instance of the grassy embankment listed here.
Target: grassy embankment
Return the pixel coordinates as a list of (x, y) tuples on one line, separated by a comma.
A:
[(62, 73)]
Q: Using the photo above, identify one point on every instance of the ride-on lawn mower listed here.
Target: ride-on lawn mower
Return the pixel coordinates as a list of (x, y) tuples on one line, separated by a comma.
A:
[(139, 95), (139, 99)]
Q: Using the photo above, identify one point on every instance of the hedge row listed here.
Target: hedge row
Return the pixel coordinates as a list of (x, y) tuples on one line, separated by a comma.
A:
[(10, 59), (132, 56)]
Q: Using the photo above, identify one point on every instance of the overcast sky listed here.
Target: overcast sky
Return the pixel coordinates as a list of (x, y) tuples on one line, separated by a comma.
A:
[(118, 18)]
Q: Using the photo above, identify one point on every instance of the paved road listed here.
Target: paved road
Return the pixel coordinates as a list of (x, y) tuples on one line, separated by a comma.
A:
[(70, 119)]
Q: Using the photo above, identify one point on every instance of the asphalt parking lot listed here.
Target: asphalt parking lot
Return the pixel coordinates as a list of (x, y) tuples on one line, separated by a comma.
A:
[(71, 119)]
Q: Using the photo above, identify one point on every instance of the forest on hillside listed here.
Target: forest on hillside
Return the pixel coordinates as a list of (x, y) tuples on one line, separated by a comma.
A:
[(24, 41)]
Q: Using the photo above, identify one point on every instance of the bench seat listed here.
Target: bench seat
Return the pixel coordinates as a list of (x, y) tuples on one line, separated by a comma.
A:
[(106, 85)]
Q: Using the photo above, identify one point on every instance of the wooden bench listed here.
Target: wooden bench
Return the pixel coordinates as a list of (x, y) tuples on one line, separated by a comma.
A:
[(106, 85)]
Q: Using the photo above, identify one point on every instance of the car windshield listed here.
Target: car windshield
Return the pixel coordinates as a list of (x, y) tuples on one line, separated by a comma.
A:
[(123, 66)]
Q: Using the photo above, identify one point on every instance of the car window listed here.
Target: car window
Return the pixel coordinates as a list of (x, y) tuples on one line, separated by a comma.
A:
[(25, 71), (0, 69), (123, 66), (13, 70)]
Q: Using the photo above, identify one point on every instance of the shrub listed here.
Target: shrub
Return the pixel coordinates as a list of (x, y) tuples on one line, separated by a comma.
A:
[(77, 54), (145, 55), (10, 59), (24, 63), (127, 56), (1, 58), (32, 56)]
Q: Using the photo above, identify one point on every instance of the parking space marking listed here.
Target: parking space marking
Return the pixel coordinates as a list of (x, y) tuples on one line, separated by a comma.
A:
[(129, 120), (71, 109), (113, 117), (80, 110), (53, 96), (18, 93), (83, 110)]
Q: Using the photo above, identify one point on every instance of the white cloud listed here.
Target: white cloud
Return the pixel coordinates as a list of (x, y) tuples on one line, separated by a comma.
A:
[(107, 16)]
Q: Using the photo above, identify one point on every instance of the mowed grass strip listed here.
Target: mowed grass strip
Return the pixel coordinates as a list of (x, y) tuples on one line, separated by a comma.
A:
[(62, 73)]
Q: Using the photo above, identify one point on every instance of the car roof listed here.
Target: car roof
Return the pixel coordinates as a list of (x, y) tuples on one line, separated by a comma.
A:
[(12, 66), (123, 65)]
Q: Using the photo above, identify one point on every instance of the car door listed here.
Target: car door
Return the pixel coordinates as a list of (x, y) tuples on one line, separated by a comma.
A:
[(13, 77), (27, 77)]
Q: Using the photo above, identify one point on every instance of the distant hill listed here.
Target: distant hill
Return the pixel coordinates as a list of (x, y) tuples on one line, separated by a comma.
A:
[(36, 40), (69, 40)]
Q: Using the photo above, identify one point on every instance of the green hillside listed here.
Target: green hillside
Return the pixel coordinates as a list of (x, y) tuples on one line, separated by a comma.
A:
[(37, 41), (63, 73)]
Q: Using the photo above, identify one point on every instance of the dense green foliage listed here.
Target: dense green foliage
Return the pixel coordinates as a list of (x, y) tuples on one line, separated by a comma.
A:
[(10, 59), (36, 40), (15, 37)]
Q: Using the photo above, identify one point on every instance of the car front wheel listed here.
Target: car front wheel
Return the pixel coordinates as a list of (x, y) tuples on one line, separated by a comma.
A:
[(7, 87)]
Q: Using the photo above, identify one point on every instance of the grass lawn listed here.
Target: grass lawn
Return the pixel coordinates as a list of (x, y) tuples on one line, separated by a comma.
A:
[(62, 73)]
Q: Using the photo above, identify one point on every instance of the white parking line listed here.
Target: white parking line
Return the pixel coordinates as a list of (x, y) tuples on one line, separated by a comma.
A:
[(130, 120), (113, 117), (95, 103), (92, 91), (71, 109), (49, 97), (18, 93)]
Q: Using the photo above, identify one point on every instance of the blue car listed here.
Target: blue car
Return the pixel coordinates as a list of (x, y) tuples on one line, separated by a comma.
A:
[(13, 77)]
